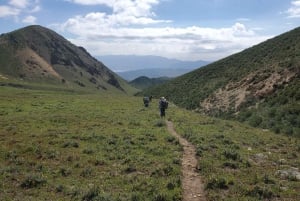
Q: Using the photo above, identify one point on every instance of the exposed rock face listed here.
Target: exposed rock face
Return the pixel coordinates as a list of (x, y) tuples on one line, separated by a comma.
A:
[(257, 85)]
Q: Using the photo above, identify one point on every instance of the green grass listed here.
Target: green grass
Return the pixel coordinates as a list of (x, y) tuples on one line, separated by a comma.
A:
[(59, 145), (64, 145), (238, 162)]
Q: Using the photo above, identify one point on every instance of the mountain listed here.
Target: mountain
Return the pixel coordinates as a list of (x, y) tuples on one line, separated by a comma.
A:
[(130, 66), (144, 82), (259, 85), (37, 54), (154, 73)]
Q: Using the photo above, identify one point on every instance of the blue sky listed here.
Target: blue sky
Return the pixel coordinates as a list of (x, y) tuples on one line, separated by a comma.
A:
[(182, 29)]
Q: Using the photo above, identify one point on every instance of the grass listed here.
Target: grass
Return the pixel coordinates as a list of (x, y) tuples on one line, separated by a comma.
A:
[(64, 145), (60, 145), (238, 162)]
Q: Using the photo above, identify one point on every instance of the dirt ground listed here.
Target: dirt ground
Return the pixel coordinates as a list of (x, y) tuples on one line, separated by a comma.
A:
[(193, 188)]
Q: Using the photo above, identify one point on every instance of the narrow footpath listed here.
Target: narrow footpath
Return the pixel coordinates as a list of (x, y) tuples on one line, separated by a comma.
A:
[(193, 189)]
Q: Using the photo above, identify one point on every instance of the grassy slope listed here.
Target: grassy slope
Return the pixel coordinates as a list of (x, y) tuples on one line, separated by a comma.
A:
[(239, 162), (57, 145), (62, 145), (274, 55), (281, 52)]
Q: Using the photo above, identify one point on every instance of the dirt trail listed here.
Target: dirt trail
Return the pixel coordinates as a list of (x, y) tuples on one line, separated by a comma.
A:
[(191, 182)]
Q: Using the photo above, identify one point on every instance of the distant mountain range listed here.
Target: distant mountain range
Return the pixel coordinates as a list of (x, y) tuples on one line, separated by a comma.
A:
[(37, 54), (131, 67), (259, 85), (144, 82)]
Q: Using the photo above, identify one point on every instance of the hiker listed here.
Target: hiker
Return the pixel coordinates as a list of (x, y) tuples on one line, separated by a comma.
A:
[(146, 101), (163, 105)]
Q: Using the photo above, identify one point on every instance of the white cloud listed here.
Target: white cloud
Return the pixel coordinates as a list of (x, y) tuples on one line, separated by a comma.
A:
[(93, 2), (19, 3), (18, 8), (133, 28), (29, 19), (294, 10), (189, 43), (8, 11), (125, 12)]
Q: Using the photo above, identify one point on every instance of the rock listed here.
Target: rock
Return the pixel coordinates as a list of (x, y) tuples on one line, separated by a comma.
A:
[(292, 174), (260, 158)]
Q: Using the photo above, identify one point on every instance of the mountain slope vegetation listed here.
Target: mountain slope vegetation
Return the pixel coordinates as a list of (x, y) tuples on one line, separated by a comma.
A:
[(69, 145), (258, 85), (144, 82), (37, 54)]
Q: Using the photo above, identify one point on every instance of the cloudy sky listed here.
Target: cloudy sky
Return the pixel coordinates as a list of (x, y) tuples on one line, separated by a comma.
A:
[(182, 29)]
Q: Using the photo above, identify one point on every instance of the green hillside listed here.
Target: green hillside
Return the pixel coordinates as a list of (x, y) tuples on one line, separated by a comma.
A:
[(70, 145), (144, 82), (249, 86), (39, 55)]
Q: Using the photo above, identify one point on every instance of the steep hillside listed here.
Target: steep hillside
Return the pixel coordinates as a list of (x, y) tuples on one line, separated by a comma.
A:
[(144, 82), (37, 54), (259, 85)]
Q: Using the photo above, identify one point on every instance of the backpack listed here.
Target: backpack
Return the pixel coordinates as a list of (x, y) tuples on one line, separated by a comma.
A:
[(164, 104)]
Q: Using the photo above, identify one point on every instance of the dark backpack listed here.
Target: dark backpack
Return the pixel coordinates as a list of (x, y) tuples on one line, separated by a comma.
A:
[(164, 104)]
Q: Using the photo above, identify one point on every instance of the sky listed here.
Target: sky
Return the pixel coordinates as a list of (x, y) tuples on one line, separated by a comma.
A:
[(181, 29)]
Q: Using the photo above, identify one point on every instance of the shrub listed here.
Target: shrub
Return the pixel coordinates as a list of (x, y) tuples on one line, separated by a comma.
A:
[(160, 197), (64, 172), (160, 123), (231, 154), (86, 172), (32, 181), (91, 194), (88, 151), (217, 183), (172, 139), (59, 188), (231, 165), (260, 192), (255, 121)]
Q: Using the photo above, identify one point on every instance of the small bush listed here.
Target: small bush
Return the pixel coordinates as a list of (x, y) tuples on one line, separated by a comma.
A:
[(160, 197), (88, 151), (260, 192), (231, 154), (60, 188), (255, 121), (231, 165), (86, 172), (33, 181), (268, 180), (217, 183), (91, 194), (172, 139), (64, 172), (160, 123)]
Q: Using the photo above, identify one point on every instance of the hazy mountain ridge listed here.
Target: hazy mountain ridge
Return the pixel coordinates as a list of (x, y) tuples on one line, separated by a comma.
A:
[(144, 82), (38, 54), (154, 73), (131, 66), (258, 85)]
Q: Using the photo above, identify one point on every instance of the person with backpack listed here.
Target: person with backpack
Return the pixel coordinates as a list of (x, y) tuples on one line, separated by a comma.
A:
[(163, 105), (146, 101)]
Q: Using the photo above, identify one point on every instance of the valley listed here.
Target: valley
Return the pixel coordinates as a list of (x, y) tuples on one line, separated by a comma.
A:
[(72, 129), (70, 145)]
